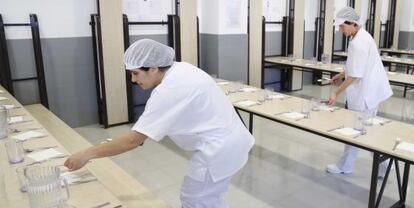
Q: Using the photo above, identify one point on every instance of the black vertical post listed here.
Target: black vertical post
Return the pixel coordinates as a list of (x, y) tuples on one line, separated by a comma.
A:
[(96, 64), (34, 24), (263, 51), (127, 73), (101, 73), (198, 43), (5, 74)]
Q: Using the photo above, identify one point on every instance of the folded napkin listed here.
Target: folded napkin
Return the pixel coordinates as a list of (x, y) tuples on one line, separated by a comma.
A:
[(347, 131), (44, 154), (15, 119), (406, 146), (8, 107), (74, 177), (27, 135), (278, 96), (3, 98), (247, 103), (223, 83), (294, 115), (1, 91), (392, 73), (249, 89)]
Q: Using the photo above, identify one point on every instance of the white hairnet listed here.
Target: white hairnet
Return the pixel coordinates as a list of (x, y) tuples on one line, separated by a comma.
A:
[(148, 53), (346, 14)]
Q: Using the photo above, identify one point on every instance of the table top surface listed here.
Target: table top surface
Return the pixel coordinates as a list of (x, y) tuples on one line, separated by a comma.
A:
[(113, 184)]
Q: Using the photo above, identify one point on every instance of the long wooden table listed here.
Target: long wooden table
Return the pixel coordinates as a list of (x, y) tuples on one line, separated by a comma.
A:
[(113, 184), (397, 51), (398, 79), (379, 139)]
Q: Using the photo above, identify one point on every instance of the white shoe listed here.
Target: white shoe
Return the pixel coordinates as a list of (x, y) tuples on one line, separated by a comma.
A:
[(335, 170)]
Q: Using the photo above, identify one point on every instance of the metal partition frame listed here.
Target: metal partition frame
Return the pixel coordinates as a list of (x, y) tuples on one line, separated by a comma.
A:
[(6, 78)]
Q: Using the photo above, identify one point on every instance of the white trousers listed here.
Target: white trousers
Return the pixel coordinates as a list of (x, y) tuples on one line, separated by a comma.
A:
[(205, 194)]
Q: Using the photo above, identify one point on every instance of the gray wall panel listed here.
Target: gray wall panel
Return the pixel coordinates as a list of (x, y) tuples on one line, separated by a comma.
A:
[(69, 72), (70, 79), (273, 43), (406, 40), (209, 56), (233, 57)]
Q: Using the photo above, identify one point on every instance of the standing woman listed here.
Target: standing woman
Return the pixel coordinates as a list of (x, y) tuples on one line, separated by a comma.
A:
[(187, 106), (366, 82)]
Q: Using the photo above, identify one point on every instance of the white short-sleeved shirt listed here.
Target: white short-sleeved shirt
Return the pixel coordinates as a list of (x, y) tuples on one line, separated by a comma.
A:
[(371, 85), (192, 110)]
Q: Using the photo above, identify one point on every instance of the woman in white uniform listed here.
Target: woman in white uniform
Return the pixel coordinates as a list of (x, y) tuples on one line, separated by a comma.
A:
[(187, 106), (366, 82)]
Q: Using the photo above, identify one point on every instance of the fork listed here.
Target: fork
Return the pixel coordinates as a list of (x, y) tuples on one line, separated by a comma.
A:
[(22, 130), (28, 150)]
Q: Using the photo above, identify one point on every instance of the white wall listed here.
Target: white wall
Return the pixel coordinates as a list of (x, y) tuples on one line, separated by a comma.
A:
[(57, 18), (208, 14), (407, 15), (148, 11)]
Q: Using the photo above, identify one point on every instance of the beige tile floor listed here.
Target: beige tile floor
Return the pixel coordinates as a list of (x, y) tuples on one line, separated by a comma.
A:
[(286, 166)]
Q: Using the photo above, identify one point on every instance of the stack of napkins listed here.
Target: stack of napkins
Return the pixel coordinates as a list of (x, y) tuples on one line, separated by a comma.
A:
[(247, 103), (15, 119), (27, 135), (44, 154), (406, 146), (347, 131), (294, 115), (3, 98), (249, 89)]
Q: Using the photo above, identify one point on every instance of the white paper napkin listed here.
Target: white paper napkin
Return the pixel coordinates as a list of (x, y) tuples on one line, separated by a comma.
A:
[(1, 91), (347, 131), (278, 96), (406, 146), (223, 83), (247, 103), (294, 115), (27, 135), (327, 108), (392, 73), (8, 107), (15, 119), (73, 177), (3, 98), (44, 154), (249, 89)]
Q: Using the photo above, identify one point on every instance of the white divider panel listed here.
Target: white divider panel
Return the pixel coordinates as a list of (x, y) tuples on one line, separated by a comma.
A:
[(188, 31), (396, 31), (377, 23), (298, 33), (255, 43), (112, 54), (328, 36)]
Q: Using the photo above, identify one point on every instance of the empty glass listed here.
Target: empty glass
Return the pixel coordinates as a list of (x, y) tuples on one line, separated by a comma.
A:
[(325, 58), (3, 122), (261, 96), (315, 104), (359, 122), (269, 93), (306, 108), (44, 186), (14, 149), (21, 175)]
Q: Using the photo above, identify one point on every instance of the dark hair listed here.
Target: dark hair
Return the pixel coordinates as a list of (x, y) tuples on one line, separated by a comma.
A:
[(350, 23), (161, 68)]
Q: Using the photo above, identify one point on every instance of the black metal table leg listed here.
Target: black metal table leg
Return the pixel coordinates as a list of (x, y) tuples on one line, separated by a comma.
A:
[(374, 178)]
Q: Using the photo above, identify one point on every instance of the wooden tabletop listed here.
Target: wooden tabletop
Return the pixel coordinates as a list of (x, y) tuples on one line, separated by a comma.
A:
[(379, 138), (113, 184), (393, 77), (384, 58)]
